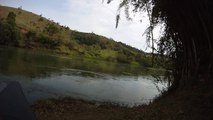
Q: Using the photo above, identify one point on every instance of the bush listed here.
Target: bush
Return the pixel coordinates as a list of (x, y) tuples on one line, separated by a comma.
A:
[(31, 36), (51, 29), (48, 42), (41, 19), (11, 19), (86, 38), (110, 59), (123, 58)]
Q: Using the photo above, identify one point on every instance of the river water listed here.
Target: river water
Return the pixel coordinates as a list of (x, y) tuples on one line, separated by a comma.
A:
[(45, 75)]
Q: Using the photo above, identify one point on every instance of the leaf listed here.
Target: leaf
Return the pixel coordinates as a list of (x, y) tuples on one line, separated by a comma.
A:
[(109, 1), (117, 20)]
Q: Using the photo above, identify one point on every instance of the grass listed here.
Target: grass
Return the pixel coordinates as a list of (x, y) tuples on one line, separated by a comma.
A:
[(108, 53)]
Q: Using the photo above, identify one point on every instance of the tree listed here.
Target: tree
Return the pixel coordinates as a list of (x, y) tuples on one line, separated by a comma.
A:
[(11, 19), (5, 33), (9, 33), (31, 36), (188, 38)]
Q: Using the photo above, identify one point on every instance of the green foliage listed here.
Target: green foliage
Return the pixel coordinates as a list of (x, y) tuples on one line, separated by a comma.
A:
[(41, 19), (5, 33), (48, 42), (42, 40), (71, 45), (51, 29), (9, 33), (38, 32), (110, 59), (30, 37), (86, 38), (11, 19), (123, 58), (146, 62)]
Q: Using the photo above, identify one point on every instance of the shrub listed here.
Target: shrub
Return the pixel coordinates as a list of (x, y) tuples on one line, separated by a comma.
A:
[(51, 29), (48, 42), (122, 58)]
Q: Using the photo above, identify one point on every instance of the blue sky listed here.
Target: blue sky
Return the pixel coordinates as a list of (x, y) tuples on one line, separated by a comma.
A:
[(88, 16)]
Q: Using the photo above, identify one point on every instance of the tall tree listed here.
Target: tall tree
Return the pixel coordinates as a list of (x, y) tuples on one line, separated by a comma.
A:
[(187, 38), (11, 19), (10, 34)]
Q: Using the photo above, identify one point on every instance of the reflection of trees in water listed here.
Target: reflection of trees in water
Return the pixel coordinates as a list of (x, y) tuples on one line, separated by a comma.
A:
[(162, 83), (31, 63), (20, 62)]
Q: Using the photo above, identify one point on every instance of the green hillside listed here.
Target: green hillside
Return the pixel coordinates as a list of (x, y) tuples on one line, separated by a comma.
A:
[(25, 29)]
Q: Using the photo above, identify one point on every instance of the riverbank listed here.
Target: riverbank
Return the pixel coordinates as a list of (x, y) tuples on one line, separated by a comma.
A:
[(180, 105), (71, 109)]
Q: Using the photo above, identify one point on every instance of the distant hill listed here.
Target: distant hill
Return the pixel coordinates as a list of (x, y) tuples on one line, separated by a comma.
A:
[(36, 32)]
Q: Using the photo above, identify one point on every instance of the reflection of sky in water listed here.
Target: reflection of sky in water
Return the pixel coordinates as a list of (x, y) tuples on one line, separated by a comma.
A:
[(43, 76), (126, 90)]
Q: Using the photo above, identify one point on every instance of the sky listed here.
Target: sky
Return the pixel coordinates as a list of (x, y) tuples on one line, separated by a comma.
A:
[(89, 16)]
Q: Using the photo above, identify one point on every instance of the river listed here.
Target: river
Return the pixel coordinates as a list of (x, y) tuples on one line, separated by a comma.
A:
[(45, 75)]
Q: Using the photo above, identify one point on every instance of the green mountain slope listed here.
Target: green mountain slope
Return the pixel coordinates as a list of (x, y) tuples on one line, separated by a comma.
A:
[(36, 32)]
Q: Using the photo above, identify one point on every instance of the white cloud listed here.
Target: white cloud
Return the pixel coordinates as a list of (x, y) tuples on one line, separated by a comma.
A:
[(99, 18)]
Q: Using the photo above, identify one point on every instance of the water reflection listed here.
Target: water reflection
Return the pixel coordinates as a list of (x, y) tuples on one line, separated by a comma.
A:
[(43, 76)]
